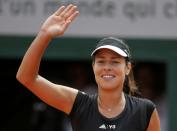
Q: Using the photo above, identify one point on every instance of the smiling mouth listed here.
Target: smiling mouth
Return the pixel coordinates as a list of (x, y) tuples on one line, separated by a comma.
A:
[(107, 77)]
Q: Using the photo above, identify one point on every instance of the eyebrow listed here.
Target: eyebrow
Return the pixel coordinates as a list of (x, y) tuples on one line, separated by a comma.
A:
[(114, 57)]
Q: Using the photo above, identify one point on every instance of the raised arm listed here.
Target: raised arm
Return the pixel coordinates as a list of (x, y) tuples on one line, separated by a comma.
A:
[(58, 96)]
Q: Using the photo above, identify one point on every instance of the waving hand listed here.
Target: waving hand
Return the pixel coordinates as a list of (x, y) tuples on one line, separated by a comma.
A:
[(57, 23)]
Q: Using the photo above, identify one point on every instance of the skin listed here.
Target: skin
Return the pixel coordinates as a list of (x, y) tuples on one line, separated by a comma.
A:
[(62, 97), (58, 96), (110, 70)]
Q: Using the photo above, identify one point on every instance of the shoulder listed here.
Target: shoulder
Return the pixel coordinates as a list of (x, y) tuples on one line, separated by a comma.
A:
[(142, 107), (138, 101), (84, 97), (83, 102)]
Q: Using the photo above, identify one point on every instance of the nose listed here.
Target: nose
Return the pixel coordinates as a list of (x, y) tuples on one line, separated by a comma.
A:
[(107, 67)]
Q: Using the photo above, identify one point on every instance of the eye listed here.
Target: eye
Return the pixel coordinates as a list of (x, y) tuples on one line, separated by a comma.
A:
[(100, 61), (115, 62)]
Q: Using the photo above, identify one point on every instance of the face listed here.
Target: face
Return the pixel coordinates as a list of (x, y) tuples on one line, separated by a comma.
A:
[(110, 69)]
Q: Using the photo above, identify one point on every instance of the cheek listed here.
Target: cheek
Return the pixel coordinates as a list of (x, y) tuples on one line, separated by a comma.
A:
[(120, 73), (96, 70)]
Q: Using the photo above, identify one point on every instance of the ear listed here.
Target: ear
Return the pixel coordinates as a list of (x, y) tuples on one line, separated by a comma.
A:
[(128, 68)]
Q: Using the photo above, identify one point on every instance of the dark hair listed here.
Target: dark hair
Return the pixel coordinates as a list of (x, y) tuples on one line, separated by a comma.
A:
[(130, 86)]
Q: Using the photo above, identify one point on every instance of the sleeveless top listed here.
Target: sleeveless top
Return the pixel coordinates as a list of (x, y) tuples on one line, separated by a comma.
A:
[(85, 115)]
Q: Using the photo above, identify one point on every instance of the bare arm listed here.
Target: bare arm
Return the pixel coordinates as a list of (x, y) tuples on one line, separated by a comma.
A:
[(58, 96), (154, 124)]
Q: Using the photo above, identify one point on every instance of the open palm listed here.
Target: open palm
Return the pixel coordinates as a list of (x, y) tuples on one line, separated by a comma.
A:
[(57, 23)]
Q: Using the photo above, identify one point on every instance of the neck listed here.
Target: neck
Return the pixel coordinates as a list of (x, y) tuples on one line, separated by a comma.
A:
[(110, 100), (111, 106), (110, 97)]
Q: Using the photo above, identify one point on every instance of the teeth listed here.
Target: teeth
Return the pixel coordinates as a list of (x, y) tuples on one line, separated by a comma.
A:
[(107, 76)]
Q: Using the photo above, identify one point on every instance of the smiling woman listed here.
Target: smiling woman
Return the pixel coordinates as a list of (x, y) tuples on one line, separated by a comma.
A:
[(112, 108), (112, 53), (110, 67)]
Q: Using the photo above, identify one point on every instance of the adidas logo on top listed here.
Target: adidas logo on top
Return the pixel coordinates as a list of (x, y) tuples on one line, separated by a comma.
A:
[(102, 126), (110, 127)]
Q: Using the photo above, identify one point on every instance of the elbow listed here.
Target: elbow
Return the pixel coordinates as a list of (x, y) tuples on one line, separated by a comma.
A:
[(23, 79), (19, 77)]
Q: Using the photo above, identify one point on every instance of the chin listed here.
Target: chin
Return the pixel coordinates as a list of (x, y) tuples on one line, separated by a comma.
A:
[(107, 87)]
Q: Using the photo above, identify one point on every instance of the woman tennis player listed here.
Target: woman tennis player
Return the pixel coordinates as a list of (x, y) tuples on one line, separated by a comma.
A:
[(114, 108)]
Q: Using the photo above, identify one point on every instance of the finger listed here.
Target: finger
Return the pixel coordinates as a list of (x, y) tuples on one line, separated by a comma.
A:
[(70, 19), (61, 9), (73, 16), (62, 14), (70, 12)]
